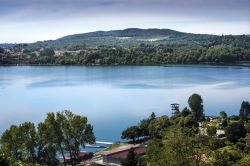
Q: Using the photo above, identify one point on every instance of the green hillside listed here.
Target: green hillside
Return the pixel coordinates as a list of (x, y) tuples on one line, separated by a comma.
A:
[(132, 47), (127, 37)]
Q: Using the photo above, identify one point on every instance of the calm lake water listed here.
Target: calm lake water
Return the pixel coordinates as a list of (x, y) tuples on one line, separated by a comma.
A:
[(114, 98)]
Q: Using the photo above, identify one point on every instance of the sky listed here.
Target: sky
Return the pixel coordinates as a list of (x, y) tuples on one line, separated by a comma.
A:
[(37, 20)]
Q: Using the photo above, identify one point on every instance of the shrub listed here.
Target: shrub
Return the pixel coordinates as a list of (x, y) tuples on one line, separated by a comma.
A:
[(235, 131), (211, 130)]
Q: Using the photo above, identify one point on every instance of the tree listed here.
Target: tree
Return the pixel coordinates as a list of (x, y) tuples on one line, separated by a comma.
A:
[(47, 149), (131, 159), (152, 116), (68, 132), (189, 121), (29, 141), (211, 130), (144, 125), (48, 52), (223, 115), (20, 142), (51, 136), (185, 112), (235, 131), (157, 125), (244, 111), (63, 132), (196, 104), (1, 50), (224, 123), (131, 133), (12, 142), (76, 133), (174, 149)]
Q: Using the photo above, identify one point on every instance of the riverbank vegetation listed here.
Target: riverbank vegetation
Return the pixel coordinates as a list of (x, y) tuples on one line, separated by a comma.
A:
[(138, 55)]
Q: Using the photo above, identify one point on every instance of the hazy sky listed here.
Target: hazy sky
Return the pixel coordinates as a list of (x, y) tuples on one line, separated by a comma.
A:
[(33, 20)]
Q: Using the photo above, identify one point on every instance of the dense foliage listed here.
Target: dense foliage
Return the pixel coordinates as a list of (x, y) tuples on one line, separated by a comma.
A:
[(235, 131), (180, 140), (245, 111), (61, 133)]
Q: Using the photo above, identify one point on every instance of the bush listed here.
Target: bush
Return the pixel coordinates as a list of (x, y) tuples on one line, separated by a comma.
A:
[(216, 143), (248, 128), (235, 131), (234, 117), (211, 130), (240, 145), (221, 135), (244, 161), (224, 123), (227, 156)]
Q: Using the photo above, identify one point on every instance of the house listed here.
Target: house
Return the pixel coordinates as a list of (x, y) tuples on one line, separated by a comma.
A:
[(81, 156), (67, 52), (213, 119), (116, 156)]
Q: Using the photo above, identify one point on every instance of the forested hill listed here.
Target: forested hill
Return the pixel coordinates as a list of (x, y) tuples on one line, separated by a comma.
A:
[(127, 37), (132, 46)]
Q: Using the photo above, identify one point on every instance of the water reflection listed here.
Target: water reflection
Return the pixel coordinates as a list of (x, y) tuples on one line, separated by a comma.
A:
[(116, 97)]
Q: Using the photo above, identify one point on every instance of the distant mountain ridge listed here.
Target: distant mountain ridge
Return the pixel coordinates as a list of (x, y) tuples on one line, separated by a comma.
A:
[(126, 37), (136, 36), (130, 32)]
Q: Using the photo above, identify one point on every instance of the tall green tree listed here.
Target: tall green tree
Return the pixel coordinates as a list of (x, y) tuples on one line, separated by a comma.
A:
[(47, 146), (223, 115), (196, 104), (52, 127), (12, 142), (68, 132), (245, 111), (29, 141), (76, 132)]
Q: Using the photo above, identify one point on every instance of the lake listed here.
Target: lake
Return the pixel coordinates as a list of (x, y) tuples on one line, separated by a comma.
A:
[(114, 98)]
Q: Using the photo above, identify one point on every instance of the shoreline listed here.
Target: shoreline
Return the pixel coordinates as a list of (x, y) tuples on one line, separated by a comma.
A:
[(241, 64)]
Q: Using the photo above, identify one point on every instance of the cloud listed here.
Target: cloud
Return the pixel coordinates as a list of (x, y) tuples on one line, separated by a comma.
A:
[(57, 9), (50, 19)]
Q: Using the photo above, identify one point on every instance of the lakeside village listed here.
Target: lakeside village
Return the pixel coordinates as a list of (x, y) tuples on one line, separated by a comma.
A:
[(188, 137), (19, 54)]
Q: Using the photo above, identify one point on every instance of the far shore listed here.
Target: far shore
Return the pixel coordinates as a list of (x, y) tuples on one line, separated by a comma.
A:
[(239, 64)]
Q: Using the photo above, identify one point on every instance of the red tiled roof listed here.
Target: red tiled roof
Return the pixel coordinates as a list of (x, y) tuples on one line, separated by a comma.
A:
[(83, 154), (123, 154), (80, 155)]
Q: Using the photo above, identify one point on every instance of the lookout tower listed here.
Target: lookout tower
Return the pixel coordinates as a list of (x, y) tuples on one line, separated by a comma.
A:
[(175, 108)]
